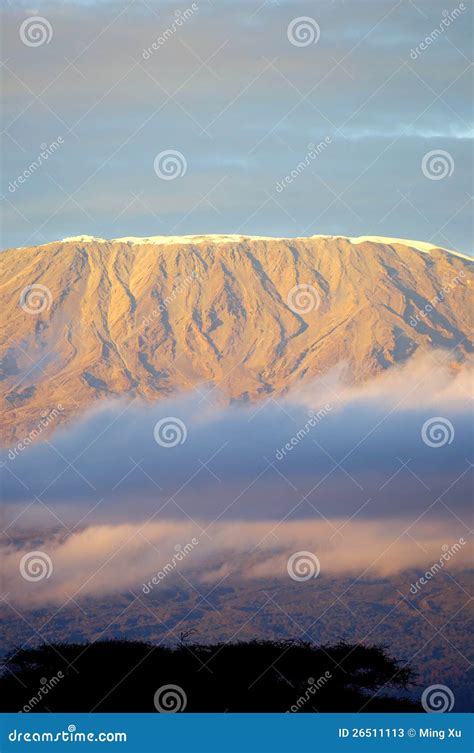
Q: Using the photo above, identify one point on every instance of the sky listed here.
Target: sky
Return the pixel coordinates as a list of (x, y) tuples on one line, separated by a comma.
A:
[(283, 118)]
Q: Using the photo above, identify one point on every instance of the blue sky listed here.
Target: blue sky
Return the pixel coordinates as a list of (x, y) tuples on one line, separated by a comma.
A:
[(232, 92)]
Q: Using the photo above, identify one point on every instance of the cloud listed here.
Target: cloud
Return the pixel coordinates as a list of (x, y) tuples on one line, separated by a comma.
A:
[(336, 470), (402, 387), (389, 132), (326, 449), (102, 560)]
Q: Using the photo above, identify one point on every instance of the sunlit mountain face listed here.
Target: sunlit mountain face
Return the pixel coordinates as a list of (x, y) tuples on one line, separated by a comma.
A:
[(88, 320), (242, 436)]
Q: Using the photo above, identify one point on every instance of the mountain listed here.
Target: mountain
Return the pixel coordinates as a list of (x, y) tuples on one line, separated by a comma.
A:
[(87, 319)]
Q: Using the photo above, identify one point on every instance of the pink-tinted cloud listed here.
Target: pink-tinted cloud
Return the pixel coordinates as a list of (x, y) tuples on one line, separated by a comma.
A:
[(101, 560)]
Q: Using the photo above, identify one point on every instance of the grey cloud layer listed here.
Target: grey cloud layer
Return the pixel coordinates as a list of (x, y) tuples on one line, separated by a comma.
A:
[(274, 461)]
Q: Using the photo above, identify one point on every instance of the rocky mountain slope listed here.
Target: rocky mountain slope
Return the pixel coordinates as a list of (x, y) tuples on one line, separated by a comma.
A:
[(87, 319)]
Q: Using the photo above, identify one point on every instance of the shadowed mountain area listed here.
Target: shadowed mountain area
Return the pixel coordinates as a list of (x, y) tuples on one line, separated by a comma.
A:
[(257, 676), (87, 319)]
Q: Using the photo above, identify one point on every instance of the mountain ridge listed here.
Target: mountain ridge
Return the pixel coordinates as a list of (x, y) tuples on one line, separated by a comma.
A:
[(231, 237)]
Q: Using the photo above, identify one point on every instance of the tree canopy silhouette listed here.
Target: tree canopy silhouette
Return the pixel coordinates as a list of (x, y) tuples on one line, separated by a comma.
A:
[(256, 676)]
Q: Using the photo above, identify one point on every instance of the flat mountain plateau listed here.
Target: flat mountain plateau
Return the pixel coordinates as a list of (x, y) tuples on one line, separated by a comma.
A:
[(87, 319)]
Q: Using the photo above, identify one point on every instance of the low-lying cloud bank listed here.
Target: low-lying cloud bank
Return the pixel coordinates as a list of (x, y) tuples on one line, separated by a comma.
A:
[(102, 560), (398, 444), (365, 481)]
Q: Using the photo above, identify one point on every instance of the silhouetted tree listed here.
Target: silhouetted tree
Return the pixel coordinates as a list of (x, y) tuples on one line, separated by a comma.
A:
[(264, 676)]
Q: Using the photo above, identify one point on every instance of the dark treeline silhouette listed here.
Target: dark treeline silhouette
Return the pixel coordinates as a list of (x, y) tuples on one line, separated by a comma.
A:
[(258, 676)]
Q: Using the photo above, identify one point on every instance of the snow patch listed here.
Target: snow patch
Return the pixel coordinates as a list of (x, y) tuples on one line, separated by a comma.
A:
[(169, 240), (85, 238)]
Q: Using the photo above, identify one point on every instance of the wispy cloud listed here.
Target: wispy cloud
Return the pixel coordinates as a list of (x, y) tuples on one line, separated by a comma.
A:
[(100, 560)]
